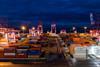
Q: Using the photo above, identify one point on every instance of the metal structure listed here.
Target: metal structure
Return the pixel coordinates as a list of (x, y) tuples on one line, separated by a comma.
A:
[(63, 31), (53, 28), (40, 28), (91, 19)]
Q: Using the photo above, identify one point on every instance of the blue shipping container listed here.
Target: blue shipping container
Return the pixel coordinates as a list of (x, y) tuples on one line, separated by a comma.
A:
[(30, 42), (34, 52)]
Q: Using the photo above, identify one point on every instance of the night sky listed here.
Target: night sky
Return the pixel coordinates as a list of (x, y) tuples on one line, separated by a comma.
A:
[(62, 12)]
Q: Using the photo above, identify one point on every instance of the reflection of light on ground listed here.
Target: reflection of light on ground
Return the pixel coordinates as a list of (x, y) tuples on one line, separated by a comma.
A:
[(96, 63), (5, 63)]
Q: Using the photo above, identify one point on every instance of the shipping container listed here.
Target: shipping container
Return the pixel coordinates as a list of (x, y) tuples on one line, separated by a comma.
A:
[(35, 48), (9, 50), (31, 42), (18, 51), (33, 56), (36, 45), (21, 55), (1, 52), (34, 52), (23, 47), (9, 55), (1, 55)]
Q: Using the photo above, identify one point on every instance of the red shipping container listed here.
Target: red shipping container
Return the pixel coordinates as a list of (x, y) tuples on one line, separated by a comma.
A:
[(9, 50), (35, 48), (36, 45), (9, 56), (1, 51), (2, 55)]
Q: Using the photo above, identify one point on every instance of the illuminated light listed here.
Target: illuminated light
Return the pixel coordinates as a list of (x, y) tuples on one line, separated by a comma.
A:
[(5, 63), (48, 32), (33, 28), (91, 19), (75, 31), (74, 28), (85, 27), (63, 31), (23, 28), (40, 28), (53, 28), (91, 31)]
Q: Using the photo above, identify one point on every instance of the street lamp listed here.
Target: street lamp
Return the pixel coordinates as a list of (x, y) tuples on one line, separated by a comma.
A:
[(85, 28), (23, 28)]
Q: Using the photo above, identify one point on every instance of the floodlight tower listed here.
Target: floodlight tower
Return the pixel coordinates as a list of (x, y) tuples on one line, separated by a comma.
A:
[(53, 28), (63, 31), (40, 28), (91, 19)]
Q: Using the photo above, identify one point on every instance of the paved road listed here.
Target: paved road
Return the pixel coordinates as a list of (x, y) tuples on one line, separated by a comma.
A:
[(61, 63), (88, 63)]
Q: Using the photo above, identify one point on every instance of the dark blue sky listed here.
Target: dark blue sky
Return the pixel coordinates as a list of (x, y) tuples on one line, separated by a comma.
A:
[(63, 12)]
